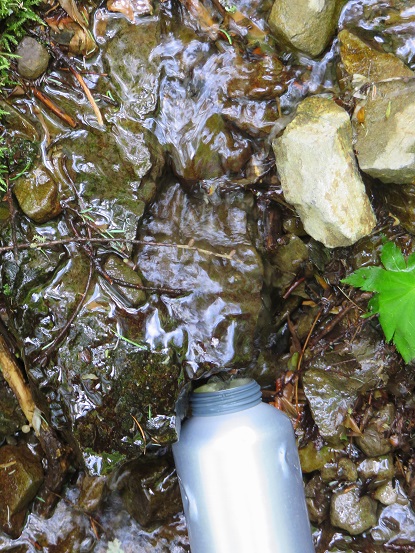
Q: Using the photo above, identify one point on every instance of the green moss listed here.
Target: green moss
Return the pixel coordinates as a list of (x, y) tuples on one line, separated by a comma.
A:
[(14, 16)]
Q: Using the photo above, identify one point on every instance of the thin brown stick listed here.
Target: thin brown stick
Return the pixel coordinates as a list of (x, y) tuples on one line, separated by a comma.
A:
[(141, 432), (80, 240), (53, 107), (300, 360), (332, 324), (14, 378), (42, 358), (88, 94), (292, 287)]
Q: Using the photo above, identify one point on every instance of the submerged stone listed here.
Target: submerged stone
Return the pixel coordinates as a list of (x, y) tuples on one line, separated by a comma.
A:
[(386, 493), (93, 490), (38, 195), (353, 512), (117, 269), (386, 142), (334, 381), (396, 526), (319, 175), (361, 59), (21, 475), (313, 458), (150, 490), (374, 440), (304, 25), (377, 469), (317, 495), (215, 317)]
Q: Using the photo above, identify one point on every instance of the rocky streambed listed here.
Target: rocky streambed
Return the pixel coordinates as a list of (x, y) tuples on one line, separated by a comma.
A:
[(250, 156)]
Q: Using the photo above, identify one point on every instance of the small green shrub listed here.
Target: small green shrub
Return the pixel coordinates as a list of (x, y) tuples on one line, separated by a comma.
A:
[(394, 296)]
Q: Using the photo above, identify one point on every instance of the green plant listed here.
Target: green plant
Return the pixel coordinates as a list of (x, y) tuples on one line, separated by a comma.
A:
[(394, 296)]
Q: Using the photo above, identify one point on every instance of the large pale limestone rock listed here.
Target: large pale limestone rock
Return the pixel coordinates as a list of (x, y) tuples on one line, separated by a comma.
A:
[(307, 25), (385, 144), (360, 58), (319, 174)]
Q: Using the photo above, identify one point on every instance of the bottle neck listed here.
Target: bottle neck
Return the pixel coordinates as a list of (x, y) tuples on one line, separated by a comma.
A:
[(222, 398)]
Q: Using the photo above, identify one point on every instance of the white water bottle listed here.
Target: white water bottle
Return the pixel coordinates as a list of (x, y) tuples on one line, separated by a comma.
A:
[(240, 475)]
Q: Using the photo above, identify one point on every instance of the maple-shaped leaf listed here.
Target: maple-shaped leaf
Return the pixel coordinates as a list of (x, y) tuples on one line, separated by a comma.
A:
[(394, 299)]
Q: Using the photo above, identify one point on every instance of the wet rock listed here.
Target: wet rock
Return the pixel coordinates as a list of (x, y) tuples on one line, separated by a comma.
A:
[(328, 472), (378, 469), (150, 490), (388, 23), (386, 141), (313, 458), (115, 174), (14, 120), (219, 309), (21, 475), (317, 495), (117, 269), (92, 493), (216, 153), (129, 59), (319, 175), (386, 493), (11, 416), (396, 526), (38, 195), (33, 58), (262, 79), (401, 201), (105, 379), (288, 259), (351, 512), (332, 391), (374, 440), (163, 428), (346, 470), (306, 26), (376, 65), (330, 396)]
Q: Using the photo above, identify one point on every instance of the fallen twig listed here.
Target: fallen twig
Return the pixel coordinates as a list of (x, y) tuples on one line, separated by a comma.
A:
[(14, 378), (32, 245), (332, 324), (42, 358), (53, 107), (56, 453), (88, 94)]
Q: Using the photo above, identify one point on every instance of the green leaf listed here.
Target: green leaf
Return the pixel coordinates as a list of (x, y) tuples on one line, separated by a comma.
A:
[(394, 296), (392, 257), (365, 278)]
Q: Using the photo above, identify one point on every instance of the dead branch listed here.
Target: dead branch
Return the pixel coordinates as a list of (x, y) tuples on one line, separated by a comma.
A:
[(31, 245), (53, 107), (14, 378), (88, 94)]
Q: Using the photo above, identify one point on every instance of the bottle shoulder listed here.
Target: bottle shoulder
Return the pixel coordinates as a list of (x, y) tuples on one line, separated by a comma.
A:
[(262, 418)]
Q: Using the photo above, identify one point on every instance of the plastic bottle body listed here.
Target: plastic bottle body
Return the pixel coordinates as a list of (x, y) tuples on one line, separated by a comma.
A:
[(241, 483)]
